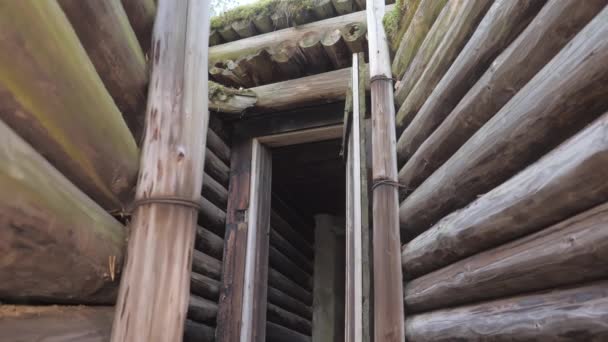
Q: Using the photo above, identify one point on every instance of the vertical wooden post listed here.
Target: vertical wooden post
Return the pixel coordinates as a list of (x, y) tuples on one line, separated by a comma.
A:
[(242, 306), (154, 292), (388, 286)]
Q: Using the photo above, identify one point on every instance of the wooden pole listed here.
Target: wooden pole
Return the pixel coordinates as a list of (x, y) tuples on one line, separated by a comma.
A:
[(540, 116), (388, 312), (141, 14), (154, 291), (52, 96), (555, 24)]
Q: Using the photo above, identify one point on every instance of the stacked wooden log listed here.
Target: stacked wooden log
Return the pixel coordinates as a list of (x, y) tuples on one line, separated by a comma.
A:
[(505, 203)]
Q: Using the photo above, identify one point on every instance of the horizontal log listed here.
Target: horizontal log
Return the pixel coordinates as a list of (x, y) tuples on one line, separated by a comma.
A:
[(288, 303), (561, 184), (294, 237), (229, 100), (336, 49), (215, 192), (551, 29), (306, 91), (206, 265), (216, 168), (277, 333), (304, 226), (204, 286), (104, 31), (405, 13), (217, 145), (574, 251), (286, 248), (538, 118), (48, 227), (289, 320), (432, 100), (67, 115), (209, 243), (234, 50), (317, 60), (288, 268), (284, 284), (72, 324), (212, 217), (569, 315), (141, 15), (202, 310)]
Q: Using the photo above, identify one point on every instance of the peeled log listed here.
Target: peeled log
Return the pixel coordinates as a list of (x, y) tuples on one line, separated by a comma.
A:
[(209, 243), (288, 268), (317, 60), (289, 60), (202, 310), (323, 9), (244, 28), (104, 31), (354, 36), (206, 265), (204, 286), (565, 315), (454, 40), (574, 251), (290, 251), (288, 303), (500, 26), (556, 23), (563, 183), (344, 6), (216, 168), (217, 145), (212, 217), (49, 226), (141, 14), (229, 100), (561, 99), (261, 67), (277, 333), (67, 114), (336, 49), (407, 13), (214, 191), (287, 319), (284, 284), (425, 16)]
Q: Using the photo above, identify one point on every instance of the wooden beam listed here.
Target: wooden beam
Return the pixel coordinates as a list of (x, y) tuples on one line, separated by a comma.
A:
[(218, 146), (287, 248), (229, 100), (290, 269), (284, 284), (202, 310), (209, 243), (215, 192), (242, 47), (104, 31), (556, 23), (277, 333), (420, 87), (432, 100), (388, 312), (155, 287), (216, 168), (49, 226), (141, 14), (288, 303), (406, 15), (206, 265), (524, 204), (212, 217), (302, 137), (533, 122), (204, 286), (289, 320), (68, 112), (569, 315)]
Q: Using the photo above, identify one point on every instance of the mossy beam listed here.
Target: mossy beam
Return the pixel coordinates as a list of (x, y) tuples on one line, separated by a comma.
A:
[(397, 21), (52, 96), (228, 100)]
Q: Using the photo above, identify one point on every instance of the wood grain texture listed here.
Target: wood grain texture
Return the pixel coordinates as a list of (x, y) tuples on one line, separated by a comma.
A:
[(104, 31), (336, 49), (49, 226), (499, 27), (155, 287), (555, 24), (564, 182), (574, 251), (456, 37), (141, 15), (206, 265), (317, 60), (388, 312), (568, 315), (52, 96), (567, 94)]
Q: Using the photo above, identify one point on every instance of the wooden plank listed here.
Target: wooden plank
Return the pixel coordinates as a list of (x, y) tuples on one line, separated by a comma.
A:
[(104, 31), (67, 114), (49, 226), (141, 14), (388, 312), (569, 315), (256, 268), (556, 23), (574, 251), (155, 287), (234, 50), (534, 121), (503, 22), (528, 202)]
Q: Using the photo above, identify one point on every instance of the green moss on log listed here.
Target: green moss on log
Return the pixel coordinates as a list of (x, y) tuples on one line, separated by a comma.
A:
[(262, 7)]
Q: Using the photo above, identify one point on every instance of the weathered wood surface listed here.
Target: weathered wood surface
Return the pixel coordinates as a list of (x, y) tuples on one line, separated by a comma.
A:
[(104, 31), (323, 9), (568, 315), (286, 230), (574, 251), (141, 15), (202, 310), (228, 34), (316, 58), (388, 312), (408, 11), (212, 217), (288, 303), (289, 60), (261, 67), (556, 23), (244, 28), (421, 23), (290, 269), (214, 191), (209, 243), (196, 332), (289, 320), (47, 221), (216, 168), (303, 225), (354, 36), (336, 49), (344, 6), (561, 99), (235, 242), (263, 23), (288, 249), (564, 182), (206, 265), (289, 287), (217, 145), (215, 38), (155, 287), (67, 114), (234, 50), (229, 100), (277, 333), (432, 100), (204, 286), (459, 32)]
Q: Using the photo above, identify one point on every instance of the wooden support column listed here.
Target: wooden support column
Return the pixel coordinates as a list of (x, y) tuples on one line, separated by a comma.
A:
[(388, 284), (328, 305), (154, 293), (242, 305)]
